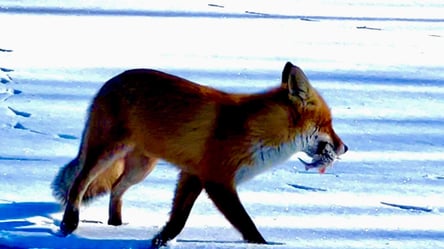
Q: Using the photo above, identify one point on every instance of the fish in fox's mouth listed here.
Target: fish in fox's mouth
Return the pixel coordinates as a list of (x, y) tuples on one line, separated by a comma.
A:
[(322, 156), (318, 163)]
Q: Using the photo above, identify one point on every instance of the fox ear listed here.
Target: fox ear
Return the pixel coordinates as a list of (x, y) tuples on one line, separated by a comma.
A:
[(294, 79)]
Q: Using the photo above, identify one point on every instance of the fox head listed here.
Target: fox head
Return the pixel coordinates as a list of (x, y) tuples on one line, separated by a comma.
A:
[(319, 140)]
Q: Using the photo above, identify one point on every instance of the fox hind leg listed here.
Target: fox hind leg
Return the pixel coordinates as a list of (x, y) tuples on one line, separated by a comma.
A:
[(96, 160), (137, 168)]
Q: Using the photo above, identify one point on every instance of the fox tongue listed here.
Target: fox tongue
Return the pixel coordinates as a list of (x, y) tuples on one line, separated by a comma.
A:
[(322, 170)]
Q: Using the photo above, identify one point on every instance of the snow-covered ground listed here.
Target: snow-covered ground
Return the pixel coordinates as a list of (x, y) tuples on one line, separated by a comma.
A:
[(379, 65)]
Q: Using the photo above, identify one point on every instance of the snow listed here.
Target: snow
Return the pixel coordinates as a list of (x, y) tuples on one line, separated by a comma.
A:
[(377, 63)]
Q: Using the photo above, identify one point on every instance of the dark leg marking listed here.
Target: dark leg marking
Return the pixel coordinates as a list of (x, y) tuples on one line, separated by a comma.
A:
[(188, 189)]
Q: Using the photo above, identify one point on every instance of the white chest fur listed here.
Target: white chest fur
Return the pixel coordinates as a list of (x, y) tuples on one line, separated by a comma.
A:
[(265, 157)]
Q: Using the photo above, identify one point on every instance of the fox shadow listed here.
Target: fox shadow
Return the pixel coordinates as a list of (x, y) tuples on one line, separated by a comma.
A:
[(18, 229), (15, 216), (21, 210)]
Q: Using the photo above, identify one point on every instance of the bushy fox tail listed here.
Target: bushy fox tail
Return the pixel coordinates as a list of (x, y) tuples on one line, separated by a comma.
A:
[(64, 179), (100, 186), (102, 128), (103, 183)]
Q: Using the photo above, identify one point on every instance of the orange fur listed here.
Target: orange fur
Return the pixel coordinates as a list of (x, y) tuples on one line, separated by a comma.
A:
[(216, 139)]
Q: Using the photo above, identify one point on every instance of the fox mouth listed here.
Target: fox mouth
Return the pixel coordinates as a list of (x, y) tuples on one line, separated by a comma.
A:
[(320, 162)]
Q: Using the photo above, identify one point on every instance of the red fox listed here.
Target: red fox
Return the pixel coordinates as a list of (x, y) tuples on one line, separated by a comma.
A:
[(216, 139)]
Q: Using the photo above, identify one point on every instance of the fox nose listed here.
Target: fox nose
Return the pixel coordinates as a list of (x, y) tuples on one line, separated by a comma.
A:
[(341, 149)]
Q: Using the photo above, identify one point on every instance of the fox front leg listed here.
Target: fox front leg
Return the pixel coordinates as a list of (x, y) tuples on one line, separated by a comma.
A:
[(187, 191), (226, 199)]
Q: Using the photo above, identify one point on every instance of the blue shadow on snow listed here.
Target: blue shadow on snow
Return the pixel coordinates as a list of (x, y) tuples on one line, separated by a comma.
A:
[(17, 231), (193, 14)]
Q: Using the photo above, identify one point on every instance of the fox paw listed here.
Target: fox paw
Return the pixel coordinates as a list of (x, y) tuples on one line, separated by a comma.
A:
[(70, 220), (113, 221), (157, 242)]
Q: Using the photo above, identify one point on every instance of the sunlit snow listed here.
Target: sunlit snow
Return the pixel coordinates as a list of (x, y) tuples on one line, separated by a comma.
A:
[(379, 65)]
